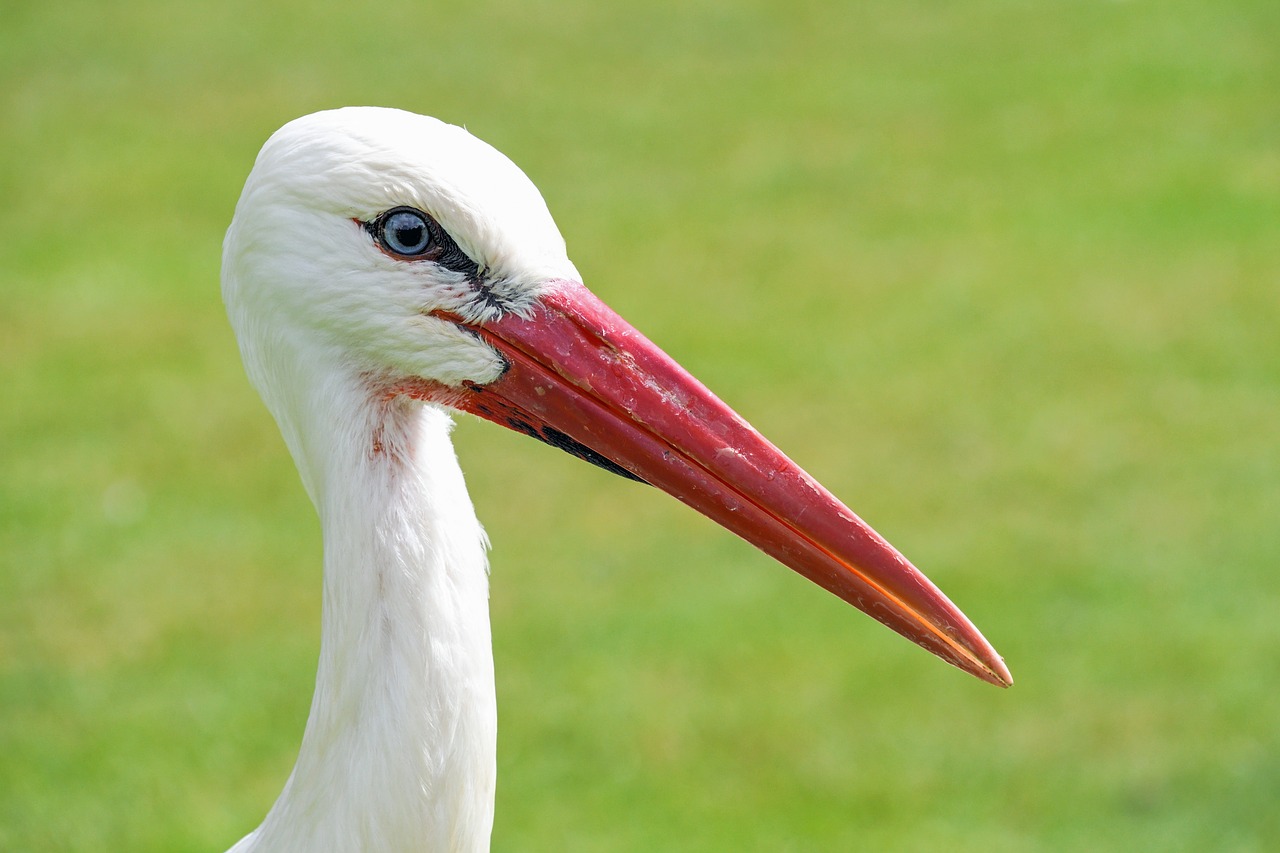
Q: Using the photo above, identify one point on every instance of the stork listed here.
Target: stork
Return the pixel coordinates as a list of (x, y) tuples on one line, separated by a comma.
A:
[(382, 270)]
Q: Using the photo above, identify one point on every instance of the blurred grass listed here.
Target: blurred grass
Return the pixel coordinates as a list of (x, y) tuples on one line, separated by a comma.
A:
[(1005, 275)]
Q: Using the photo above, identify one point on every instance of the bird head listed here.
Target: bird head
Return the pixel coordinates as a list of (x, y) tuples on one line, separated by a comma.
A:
[(418, 263), (357, 224)]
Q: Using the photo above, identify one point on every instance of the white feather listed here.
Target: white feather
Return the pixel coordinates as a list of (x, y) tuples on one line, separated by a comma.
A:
[(399, 748)]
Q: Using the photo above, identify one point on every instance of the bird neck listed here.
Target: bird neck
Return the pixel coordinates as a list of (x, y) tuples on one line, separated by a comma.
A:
[(400, 745)]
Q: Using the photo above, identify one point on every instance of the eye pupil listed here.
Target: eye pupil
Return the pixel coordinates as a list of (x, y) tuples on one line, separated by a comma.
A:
[(406, 232)]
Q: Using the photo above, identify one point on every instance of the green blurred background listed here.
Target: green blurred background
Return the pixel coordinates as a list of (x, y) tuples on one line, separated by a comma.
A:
[(1004, 275)]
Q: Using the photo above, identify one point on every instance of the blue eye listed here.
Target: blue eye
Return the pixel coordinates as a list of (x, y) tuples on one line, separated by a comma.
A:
[(408, 234), (405, 231)]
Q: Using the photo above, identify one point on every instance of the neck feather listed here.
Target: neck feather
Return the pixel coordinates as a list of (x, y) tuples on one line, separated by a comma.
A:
[(399, 749)]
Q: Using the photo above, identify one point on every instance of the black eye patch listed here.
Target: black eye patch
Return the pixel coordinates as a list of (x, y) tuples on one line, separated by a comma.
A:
[(409, 234)]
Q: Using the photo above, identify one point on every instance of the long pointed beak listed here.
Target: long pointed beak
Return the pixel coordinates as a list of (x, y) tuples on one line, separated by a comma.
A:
[(583, 378)]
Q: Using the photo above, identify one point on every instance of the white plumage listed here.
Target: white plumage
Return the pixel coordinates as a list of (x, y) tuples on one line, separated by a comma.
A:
[(399, 749)]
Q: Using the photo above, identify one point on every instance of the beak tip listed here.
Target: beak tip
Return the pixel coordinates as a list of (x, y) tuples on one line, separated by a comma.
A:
[(1002, 675), (990, 667)]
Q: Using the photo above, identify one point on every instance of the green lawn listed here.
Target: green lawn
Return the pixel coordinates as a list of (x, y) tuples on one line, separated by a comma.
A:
[(1004, 275)]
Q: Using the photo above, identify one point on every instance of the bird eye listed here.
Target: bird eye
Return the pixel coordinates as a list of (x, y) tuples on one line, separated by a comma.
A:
[(408, 234), (404, 231)]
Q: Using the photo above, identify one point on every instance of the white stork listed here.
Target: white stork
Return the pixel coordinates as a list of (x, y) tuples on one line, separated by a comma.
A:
[(383, 269)]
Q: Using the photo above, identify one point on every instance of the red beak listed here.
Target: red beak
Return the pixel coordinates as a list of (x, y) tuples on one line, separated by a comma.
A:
[(582, 378)]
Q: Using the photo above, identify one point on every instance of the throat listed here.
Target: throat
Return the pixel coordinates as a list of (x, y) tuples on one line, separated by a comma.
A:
[(399, 748)]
